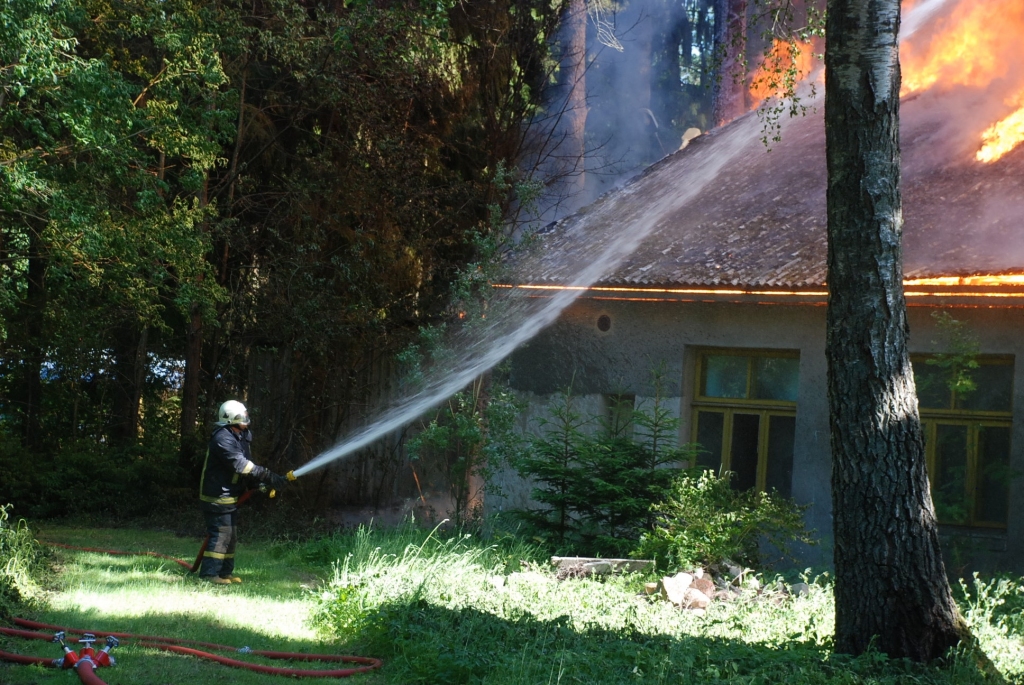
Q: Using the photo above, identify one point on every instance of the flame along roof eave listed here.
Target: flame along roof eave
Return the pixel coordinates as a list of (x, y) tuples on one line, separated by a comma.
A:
[(975, 290)]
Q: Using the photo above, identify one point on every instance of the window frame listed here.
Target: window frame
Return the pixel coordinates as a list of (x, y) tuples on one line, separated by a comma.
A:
[(973, 420), (730, 406)]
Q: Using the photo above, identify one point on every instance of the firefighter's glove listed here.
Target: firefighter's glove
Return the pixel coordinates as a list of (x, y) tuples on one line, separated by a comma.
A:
[(278, 482)]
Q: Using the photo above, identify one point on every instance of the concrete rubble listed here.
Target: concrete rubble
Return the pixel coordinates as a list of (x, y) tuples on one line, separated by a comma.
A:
[(693, 590)]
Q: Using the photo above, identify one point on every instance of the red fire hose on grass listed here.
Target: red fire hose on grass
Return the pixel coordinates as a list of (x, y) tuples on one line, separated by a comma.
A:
[(86, 660)]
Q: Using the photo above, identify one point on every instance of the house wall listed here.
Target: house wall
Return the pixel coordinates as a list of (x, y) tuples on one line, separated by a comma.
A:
[(645, 335)]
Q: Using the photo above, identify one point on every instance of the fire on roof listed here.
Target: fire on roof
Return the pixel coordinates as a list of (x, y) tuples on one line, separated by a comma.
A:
[(760, 228)]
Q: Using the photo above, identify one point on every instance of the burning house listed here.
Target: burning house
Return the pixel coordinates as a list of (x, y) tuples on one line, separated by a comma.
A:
[(728, 291)]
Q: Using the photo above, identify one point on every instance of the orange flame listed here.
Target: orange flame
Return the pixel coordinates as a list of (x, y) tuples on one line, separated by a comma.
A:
[(1003, 136), (972, 46), (785, 64), (1013, 281), (980, 280), (977, 44)]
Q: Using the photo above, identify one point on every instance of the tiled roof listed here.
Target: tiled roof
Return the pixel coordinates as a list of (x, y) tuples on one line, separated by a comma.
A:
[(762, 222)]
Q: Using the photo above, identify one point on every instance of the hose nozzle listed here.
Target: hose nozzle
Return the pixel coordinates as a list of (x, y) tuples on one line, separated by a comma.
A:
[(291, 476)]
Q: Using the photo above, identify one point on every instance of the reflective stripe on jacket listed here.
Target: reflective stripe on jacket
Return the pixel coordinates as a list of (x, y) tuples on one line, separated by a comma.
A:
[(227, 460)]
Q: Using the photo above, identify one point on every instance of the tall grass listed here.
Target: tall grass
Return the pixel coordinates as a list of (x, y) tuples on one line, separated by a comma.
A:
[(19, 562), (450, 609)]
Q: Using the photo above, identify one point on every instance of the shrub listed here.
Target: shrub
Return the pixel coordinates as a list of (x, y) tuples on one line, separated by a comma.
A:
[(20, 557), (85, 478), (704, 520), (471, 430), (595, 491)]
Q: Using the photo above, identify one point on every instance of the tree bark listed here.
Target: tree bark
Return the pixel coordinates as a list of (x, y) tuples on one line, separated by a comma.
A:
[(32, 311), (192, 381), (730, 98), (130, 347), (891, 584), (190, 390)]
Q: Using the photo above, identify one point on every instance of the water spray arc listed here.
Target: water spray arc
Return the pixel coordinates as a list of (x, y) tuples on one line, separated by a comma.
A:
[(598, 244), (514, 318)]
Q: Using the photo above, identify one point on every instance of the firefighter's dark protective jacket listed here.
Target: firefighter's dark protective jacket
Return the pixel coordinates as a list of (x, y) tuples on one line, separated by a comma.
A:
[(227, 460)]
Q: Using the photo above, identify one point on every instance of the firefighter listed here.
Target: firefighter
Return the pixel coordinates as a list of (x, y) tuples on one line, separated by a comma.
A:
[(227, 460)]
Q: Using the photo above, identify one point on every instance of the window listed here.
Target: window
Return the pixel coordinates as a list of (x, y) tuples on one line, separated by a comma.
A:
[(618, 414), (744, 415), (967, 440)]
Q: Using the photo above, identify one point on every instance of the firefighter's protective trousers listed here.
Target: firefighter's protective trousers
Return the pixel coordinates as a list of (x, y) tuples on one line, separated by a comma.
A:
[(219, 557)]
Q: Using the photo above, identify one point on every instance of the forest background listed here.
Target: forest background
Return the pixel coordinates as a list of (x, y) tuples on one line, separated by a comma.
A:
[(272, 201)]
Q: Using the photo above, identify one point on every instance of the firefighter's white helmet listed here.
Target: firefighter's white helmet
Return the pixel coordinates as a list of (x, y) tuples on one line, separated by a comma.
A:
[(232, 413)]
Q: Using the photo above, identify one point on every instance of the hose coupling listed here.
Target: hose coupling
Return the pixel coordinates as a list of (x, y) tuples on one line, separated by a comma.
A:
[(244, 650)]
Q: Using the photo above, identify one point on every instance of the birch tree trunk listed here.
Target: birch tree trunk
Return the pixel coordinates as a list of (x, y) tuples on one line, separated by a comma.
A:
[(890, 580)]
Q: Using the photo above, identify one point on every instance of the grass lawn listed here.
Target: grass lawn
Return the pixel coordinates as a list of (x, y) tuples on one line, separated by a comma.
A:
[(453, 610), (154, 596)]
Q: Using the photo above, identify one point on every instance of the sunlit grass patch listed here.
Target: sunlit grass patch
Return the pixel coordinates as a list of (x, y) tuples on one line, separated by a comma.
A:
[(145, 595)]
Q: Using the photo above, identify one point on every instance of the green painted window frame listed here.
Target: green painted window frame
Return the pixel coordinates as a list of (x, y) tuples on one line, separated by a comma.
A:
[(974, 421), (729, 407)]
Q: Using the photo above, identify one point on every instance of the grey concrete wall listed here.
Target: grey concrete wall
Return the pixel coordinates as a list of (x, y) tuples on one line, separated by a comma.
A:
[(645, 335)]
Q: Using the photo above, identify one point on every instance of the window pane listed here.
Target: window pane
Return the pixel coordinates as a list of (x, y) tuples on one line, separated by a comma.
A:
[(949, 482), (743, 460), (781, 434), (710, 428), (724, 376), (932, 386), (776, 378), (994, 389), (992, 491)]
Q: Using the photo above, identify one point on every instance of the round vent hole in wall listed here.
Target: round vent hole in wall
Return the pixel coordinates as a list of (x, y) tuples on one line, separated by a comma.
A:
[(604, 323)]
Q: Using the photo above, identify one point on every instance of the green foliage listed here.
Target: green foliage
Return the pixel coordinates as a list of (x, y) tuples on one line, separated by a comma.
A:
[(103, 156), (473, 429), (994, 610), (244, 201), (20, 562), (596, 489), (779, 33), (962, 357), (704, 520), (114, 482)]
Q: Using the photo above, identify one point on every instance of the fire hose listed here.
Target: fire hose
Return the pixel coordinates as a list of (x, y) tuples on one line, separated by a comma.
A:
[(87, 659)]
